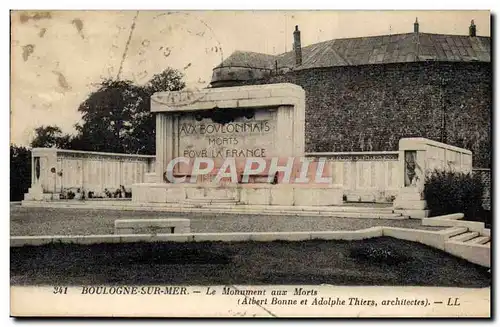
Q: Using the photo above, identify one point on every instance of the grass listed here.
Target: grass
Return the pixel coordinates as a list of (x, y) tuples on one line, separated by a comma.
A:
[(380, 261), (58, 221)]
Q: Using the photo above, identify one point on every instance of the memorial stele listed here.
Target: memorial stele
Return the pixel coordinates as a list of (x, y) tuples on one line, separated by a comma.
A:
[(258, 121)]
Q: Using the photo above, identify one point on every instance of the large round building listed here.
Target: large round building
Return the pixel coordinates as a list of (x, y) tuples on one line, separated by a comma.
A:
[(365, 93)]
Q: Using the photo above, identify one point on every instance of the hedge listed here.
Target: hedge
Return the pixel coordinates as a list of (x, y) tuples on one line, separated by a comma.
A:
[(454, 192)]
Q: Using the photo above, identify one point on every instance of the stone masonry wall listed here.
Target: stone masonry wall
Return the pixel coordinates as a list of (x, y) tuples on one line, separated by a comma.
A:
[(370, 107)]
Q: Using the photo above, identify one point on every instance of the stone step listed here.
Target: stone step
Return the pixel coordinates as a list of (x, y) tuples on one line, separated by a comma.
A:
[(464, 237), (233, 204), (216, 204), (335, 214), (358, 209), (226, 208), (210, 201), (279, 210), (349, 215), (487, 243), (333, 209), (41, 196), (479, 240), (453, 231), (361, 209), (377, 211)]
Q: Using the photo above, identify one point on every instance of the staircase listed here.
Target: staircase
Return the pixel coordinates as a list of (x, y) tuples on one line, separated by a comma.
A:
[(471, 238), (200, 202), (470, 245), (228, 205)]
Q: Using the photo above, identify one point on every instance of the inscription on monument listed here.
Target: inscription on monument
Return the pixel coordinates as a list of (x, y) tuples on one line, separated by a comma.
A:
[(242, 138)]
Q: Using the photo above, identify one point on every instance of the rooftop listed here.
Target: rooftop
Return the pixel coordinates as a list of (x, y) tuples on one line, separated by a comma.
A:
[(396, 48)]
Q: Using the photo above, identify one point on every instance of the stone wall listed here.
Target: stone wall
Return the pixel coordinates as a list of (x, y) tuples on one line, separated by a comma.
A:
[(371, 107), (378, 176), (99, 171), (56, 171), (364, 176)]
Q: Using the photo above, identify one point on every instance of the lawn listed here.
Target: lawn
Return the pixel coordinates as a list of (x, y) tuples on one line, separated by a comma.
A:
[(379, 261), (63, 221)]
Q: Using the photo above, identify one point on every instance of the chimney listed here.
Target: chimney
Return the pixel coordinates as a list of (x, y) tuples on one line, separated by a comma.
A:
[(472, 28), (297, 47), (415, 25)]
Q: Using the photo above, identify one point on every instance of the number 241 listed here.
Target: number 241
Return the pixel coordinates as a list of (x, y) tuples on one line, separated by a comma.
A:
[(60, 290)]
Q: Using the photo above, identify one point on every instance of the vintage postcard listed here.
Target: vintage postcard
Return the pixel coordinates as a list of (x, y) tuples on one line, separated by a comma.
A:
[(250, 164)]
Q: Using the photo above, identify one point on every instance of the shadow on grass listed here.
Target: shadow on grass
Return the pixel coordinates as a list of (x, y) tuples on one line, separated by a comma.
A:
[(158, 254), (379, 261)]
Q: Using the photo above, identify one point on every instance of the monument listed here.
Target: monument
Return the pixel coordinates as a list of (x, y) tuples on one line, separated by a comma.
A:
[(419, 157), (243, 146), (257, 132)]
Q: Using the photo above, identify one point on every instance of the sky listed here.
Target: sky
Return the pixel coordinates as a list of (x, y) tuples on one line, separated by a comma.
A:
[(59, 57)]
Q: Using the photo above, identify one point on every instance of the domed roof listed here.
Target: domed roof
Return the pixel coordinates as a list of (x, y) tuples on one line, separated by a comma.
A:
[(249, 59), (395, 48)]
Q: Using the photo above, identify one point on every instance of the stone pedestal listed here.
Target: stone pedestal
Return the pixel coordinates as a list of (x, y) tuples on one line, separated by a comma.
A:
[(35, 193), (235, 194), (410, 202)]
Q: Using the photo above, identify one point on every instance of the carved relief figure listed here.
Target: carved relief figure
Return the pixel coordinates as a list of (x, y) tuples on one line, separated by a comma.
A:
[(410, 168), (37, 168)]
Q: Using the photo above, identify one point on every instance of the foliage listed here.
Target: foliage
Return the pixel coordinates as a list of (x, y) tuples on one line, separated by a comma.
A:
[(20, 172), (110, 116), (168, 80), (50, 136), (115, 118), (449, 192)]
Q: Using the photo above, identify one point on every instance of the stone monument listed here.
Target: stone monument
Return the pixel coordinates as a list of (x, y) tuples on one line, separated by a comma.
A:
[(43, 175), (263, 123), (419, 157)]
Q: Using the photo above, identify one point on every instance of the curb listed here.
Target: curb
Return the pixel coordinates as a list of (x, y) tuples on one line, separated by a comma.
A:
[(475, 253)]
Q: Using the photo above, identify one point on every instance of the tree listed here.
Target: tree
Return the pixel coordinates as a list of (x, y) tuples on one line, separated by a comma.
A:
[(168, 80), (117, 117), (109, 115), (50, 136), (20, 172)]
